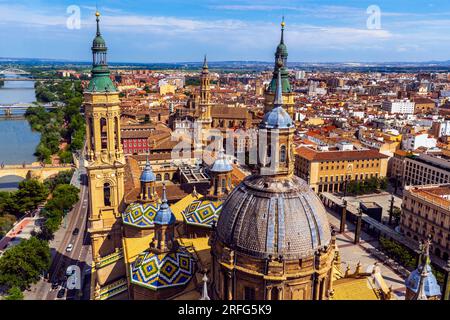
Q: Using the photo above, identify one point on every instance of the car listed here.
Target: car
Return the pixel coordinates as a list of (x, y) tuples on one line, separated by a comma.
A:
[(61, 293), (55, 285), (69, 248), (76, 231)]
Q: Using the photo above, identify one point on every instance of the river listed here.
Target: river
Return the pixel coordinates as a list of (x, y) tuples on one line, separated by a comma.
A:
[(17, 141)]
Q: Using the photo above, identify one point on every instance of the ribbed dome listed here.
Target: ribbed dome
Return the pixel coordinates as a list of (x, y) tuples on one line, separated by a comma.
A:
[(99, 42), (147, 174), (221, 164), (431, 285), (277, 118), (271, 216)]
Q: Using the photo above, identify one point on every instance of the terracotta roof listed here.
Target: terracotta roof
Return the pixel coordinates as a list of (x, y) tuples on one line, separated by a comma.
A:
[(313, 155)]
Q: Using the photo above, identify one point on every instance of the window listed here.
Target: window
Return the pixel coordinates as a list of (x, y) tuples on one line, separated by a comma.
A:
[(249, 293), (158, 177), (283, 154), (166, 177), (103, 133), (107, 194)]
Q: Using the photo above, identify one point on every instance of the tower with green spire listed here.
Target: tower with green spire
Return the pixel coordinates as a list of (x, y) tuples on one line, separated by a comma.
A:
[(281, 56), (105, 161), (101, 81)]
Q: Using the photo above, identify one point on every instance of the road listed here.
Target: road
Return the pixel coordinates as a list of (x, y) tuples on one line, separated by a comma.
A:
[(79, 256)]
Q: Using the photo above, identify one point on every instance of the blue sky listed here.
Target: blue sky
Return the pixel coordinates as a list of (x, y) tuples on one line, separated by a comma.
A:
[(175, 30)]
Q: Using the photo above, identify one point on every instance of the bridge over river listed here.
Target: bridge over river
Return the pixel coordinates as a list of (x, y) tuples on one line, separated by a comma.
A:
[(35, 171)]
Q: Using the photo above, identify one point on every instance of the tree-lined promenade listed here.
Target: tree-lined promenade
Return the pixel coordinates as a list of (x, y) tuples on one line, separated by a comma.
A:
[(24, 264), (62, 129)]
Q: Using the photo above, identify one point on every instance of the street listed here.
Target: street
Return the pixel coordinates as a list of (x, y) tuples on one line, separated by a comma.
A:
[(61, 259)]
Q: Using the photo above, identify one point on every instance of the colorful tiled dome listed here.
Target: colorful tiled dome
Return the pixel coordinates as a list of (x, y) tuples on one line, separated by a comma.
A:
[(202, 213), (155, 271), (140, 215)]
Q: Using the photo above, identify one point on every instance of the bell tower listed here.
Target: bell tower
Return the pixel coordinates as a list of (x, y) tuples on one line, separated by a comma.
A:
[(278, 131), (104, 154), (204, 104)]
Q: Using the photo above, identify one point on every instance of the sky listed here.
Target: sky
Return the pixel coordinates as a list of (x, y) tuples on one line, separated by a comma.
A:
[(240, 30)]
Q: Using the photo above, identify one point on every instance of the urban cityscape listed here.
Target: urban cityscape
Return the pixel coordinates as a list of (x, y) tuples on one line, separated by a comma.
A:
[(222, 179)]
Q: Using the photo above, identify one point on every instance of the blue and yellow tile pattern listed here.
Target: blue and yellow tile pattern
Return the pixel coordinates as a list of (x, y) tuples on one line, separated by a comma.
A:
[(140, 215), (202, 212), (155, 271)]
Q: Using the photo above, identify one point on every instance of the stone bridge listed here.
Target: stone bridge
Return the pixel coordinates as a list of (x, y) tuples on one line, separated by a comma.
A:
[(33, 171)]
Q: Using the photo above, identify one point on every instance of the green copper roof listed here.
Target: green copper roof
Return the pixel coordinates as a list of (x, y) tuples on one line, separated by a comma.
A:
[(285, 84), (280, 66), (99, 42), (101, 81)]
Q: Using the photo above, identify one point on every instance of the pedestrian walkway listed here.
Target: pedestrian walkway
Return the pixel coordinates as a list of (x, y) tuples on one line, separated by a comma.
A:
[(367, 253)]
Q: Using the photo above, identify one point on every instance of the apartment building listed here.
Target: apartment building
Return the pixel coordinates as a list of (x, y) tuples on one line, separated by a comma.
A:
[(326, 171), (426, 211), (426, 168)]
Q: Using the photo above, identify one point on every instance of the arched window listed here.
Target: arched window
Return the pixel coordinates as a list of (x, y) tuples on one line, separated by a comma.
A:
[(103, 133), (274, 293), (166, 177), (158, 177), (283, 154), (224, 185), (116, 133), (107, 194)]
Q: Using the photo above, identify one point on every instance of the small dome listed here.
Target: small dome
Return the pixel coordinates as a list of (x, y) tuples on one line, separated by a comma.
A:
[(282, 49), (147, 174), (164, 216), (266, 216), (277, 118), (99, 42), (431, 286), (221, 164)]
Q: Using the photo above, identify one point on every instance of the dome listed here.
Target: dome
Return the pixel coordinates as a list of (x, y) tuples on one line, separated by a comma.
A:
[(221, 164), (99, 42), (431, 286), (164, 216), (147, 174), (282, 49), (277, 118), (266, 216)]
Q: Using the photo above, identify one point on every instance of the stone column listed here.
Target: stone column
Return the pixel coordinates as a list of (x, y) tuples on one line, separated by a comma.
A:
[(358, 227), (230, 287), (316, 288), (343, 217), (446, 289), (268, 292), (391, 210), (280, 293)]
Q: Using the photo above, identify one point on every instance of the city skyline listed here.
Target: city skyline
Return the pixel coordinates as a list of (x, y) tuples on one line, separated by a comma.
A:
[(229, 31)]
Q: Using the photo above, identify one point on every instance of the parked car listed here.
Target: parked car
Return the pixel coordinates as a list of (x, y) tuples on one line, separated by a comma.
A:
[(55, 285), (76, 231), (69, 248)]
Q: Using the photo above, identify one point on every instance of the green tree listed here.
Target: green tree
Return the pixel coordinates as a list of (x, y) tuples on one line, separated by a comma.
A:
[(30, 194), (23, 264), (14, 293)]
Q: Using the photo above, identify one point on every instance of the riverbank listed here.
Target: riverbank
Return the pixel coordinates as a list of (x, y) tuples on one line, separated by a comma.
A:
[(62, 129)]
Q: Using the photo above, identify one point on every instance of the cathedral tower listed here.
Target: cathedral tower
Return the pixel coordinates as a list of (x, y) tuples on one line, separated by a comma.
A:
[(273, 240), (204, 104), (104, 154), (281, 56)]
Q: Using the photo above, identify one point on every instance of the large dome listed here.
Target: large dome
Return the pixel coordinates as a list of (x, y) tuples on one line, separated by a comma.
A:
[(268, 216)]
